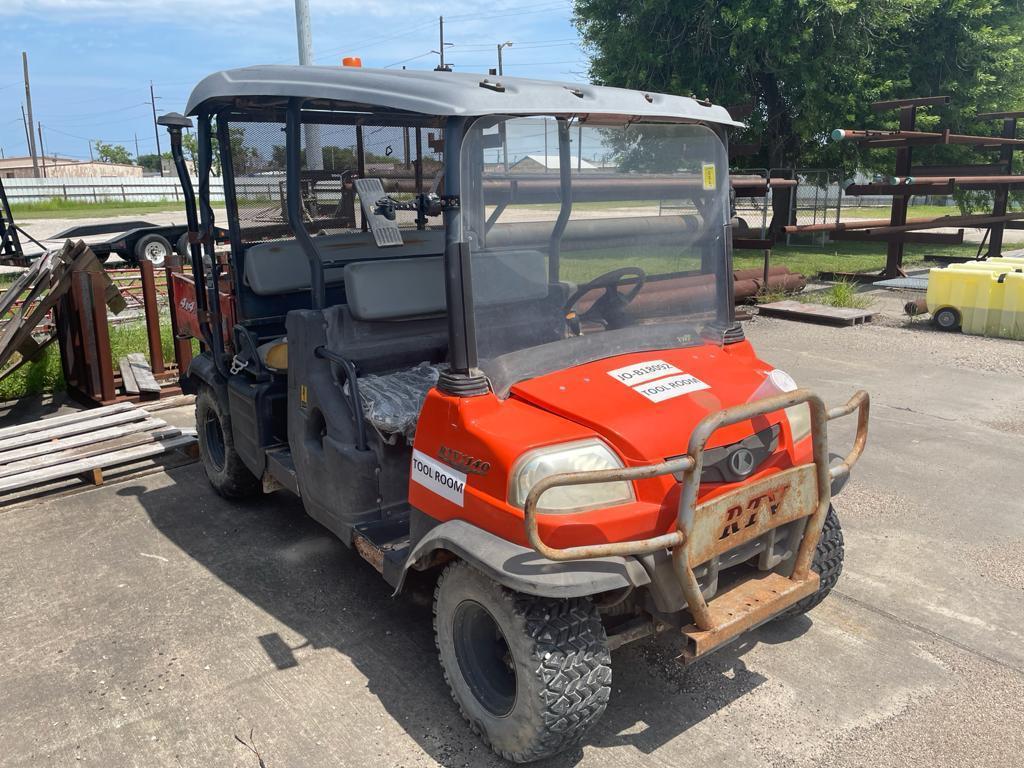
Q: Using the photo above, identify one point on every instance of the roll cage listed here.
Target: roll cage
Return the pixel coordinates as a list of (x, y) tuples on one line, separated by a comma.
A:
[(220, 112)]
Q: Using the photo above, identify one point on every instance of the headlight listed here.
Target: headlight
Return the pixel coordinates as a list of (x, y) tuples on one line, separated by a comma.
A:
[(799, 421), (582, 456), (799, 415)]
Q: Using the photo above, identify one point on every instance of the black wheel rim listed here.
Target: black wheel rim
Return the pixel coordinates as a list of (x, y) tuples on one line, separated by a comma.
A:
[(484, 658), (214, 441)]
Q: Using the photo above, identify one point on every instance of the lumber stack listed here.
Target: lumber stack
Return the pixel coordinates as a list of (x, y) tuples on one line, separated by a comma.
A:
[(85, 443), (35, 292)]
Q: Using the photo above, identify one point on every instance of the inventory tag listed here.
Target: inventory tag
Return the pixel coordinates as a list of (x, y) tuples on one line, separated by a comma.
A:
[(710, 183), (638, 373)]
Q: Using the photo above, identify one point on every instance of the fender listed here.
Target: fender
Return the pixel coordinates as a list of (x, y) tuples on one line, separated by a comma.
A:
[(522, 569), (202, 370)]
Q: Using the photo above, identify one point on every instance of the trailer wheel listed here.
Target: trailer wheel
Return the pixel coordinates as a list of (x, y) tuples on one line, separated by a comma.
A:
[(153, 248), (828, 562), (224, 467), (529, 674), (947, 319), (183, 247)]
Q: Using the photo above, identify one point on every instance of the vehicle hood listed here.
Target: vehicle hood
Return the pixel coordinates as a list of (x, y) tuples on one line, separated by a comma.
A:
[(646, 404)]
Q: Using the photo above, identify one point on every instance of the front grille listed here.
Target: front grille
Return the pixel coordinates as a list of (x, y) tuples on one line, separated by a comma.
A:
[(719, 469)]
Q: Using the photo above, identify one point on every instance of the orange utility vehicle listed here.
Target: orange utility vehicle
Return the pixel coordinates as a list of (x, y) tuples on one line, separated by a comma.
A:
[(484, 328)]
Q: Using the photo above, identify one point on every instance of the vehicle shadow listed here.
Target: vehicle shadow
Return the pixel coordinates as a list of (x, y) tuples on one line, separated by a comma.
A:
[(273, 555)]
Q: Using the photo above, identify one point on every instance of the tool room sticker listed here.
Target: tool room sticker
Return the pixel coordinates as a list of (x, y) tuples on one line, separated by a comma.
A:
[(671, 386), (437, 477)]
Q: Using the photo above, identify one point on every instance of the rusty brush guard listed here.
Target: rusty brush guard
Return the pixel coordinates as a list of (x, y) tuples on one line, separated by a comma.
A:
[(727, 521)]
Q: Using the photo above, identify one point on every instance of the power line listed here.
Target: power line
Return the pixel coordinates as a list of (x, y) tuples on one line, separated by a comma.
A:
[(364, 44), (411, 58)]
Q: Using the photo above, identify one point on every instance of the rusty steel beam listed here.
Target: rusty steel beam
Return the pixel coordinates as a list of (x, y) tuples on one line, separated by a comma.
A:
[(840, 226), (976, 181), (101, 335), (880, 188), (920, 101), (883, 227), (999, 115), (909, 137), (949, 221), (924, 238), (151, 310)]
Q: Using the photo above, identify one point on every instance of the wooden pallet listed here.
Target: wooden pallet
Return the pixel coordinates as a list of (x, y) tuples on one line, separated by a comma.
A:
[(816, 313), (85, 443)]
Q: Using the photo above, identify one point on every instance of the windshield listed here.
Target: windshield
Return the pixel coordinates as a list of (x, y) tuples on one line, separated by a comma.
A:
[(631, 253)]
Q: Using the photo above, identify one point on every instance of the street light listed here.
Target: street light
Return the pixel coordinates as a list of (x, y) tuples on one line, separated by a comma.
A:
[(506, 44)]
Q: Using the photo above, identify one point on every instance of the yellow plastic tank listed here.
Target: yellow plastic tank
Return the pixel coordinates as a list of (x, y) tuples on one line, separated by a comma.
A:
[(1001, 264), (979, 301)]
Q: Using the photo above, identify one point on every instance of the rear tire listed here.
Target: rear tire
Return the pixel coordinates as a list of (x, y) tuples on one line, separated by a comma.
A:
[(224, 467), (530, 674), (828, 562)]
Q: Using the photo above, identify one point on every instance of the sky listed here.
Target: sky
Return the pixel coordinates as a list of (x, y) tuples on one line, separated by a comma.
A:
[(91, 61)]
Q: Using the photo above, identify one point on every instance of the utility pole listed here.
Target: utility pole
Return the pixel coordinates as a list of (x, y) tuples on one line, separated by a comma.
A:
[(91, 160), (304, 31), (156, 127), (30, 124), (442, 67), (42, 150), (136, 149)]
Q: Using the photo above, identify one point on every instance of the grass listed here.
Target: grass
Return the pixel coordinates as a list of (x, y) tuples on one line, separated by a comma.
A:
[(845, 257), (882, 212), (581, 265), (59, 208), (45, 375), (839, 294)]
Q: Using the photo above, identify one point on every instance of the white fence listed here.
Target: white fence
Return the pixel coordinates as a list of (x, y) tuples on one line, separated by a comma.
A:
[(152, 189)]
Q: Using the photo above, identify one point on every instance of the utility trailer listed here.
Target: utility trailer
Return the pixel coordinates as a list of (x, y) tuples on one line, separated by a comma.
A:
[(135, 241), (527, 387)]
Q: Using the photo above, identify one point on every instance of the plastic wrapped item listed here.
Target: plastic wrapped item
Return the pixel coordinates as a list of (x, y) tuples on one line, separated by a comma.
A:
[(392, 402)]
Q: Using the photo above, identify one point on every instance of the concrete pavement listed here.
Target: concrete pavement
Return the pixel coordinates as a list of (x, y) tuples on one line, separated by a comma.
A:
[(150, 623)]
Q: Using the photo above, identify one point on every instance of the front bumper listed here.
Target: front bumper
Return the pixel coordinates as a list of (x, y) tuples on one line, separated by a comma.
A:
[(714, 527)]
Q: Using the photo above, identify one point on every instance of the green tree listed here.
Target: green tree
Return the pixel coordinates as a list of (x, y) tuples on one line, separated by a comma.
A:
[(113, 153), (151, 162), (808, 66)]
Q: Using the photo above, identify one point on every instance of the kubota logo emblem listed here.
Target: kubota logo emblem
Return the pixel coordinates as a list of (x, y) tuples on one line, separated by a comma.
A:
[(746, 515), (741, 462)]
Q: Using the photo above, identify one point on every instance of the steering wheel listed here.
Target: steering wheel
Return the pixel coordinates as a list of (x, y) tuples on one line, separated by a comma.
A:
[(608, 308)]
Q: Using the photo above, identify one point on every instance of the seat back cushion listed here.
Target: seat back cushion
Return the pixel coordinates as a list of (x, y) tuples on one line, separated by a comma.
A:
[(409, 288), (281, 267)]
